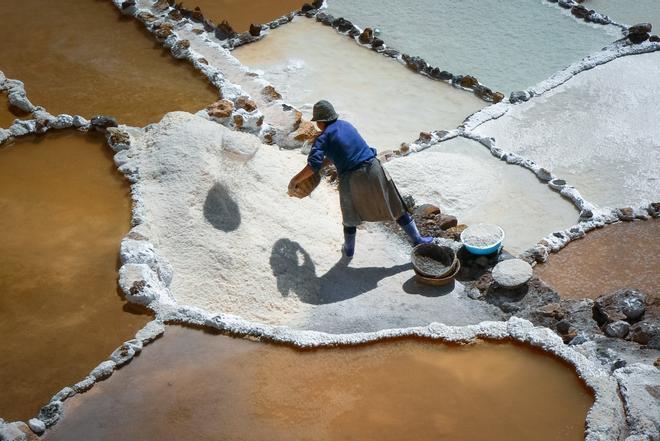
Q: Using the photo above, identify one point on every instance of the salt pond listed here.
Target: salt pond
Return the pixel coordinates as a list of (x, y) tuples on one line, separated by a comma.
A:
[(192, 385), (599, 136), (624, 255), (240, 14), (216, 205), (628, 12), (388, 103), (508, 45), (464, 179), (64, 210), (117, 69)]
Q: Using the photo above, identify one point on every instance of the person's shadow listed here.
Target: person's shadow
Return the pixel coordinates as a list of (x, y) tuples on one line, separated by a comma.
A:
[(296, 273)]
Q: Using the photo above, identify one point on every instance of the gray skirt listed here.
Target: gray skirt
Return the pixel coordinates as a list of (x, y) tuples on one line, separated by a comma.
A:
[(368, 194)]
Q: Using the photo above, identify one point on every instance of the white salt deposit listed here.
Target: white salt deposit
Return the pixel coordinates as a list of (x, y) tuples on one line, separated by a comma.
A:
[(508, 45), (628, 12), (602, 138), (482, 235), (388, 103), (214, 205), (465, 180)]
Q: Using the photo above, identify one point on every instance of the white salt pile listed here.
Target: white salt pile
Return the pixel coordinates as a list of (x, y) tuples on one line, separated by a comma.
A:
[(596, 132), (482, 235), (216, 206)]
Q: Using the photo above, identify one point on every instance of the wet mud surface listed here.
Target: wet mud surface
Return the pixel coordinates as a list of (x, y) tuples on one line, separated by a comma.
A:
[(64, 211), (240, 14), (624, 255), (83, 57), (194, 385)]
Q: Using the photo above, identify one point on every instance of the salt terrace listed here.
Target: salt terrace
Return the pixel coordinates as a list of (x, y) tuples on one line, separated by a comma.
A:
[(215, 243)]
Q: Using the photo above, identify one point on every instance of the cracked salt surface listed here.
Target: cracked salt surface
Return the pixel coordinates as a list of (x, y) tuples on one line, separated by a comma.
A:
[(508, 45), (214, 204), (464, 179), (388, 103), (599, 137)]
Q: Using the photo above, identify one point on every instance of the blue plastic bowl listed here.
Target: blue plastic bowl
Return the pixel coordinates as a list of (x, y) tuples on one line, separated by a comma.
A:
[(490, 249)]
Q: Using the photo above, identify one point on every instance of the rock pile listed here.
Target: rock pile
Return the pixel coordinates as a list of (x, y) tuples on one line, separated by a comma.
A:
[(623, 314), (639, 32)]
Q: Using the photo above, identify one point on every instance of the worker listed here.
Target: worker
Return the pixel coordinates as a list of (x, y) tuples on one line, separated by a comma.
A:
[(366, 191)]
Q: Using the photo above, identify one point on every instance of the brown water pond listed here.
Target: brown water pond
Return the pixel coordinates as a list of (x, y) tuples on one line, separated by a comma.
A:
[(240, 13), (7, 114), (83, 57), (623, 255), (193, 385), (64, 209)]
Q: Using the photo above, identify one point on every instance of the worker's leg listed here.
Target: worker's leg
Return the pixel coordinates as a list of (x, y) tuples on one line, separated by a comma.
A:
[(349, 241), (407, 223)]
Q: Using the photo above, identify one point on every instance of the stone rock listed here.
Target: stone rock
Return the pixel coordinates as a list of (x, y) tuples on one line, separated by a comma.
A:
[(307, 132), (224, 31), (197, 15), (140, 283), (103, 370), (438, 74), (342, 25), (645, 331), (244, 102), (519, 96), (391, 52), (255, 30), (367, 36), (270, 93), (325, 18), (484, 282), (424, 137), (624, 304), (638, 386), (101, 122), (63, 394), (150, 332), (124, 353), (163, 31), (416, 64), (220, 109), (37, 426), (618, 329), (146, 17), (427, 211), (83, 385), (446, 222), (512, 273), (641, 28), (654, 209), (377, 43), (497, 97), (161, 5), (17, 431), (181, 49), (50, 413), (626, 214), (175, 15), (128, 4), (306, 8), (638, 38), (4, 135), (654, 39), (544, 174), (79, 121), (468, 82), (580, 11)]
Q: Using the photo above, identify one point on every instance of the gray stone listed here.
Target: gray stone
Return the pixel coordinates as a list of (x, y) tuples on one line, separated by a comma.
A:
[(79, 121), (123, 354), (641, 28), (4, 135), (103, 370), (543, 174), (645, 331), (84, 385), (62, 395), (17, 431), (618, 329), (51, 413), (624, 304), (150, 332), (512, 273), (519, 96), (37, 426), (62, 121), (102, 122), (22, 128), (638, 385)]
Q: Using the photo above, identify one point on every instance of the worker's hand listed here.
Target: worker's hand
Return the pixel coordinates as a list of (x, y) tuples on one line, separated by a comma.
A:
[(294, 187)]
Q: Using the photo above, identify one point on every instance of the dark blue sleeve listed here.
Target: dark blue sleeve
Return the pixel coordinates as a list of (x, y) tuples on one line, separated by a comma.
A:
[(317, 153)]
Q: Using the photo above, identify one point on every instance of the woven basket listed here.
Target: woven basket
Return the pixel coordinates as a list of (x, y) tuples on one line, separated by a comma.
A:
[(306, 187)]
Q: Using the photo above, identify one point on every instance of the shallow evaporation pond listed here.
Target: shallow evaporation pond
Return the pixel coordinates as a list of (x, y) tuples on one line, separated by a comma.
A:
[(624, 255), (612, 159), (628, 12), (388, 103), (464, 179), (192, 385), (508, 45), (64, 211), (7, 114), (83, 57), (241, 14)]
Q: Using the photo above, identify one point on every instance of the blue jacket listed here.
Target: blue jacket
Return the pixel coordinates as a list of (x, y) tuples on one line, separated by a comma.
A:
[(342, 143)]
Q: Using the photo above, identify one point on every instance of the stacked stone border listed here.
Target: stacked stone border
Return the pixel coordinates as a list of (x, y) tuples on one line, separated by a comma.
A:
[(16, 97), (587, 15)]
